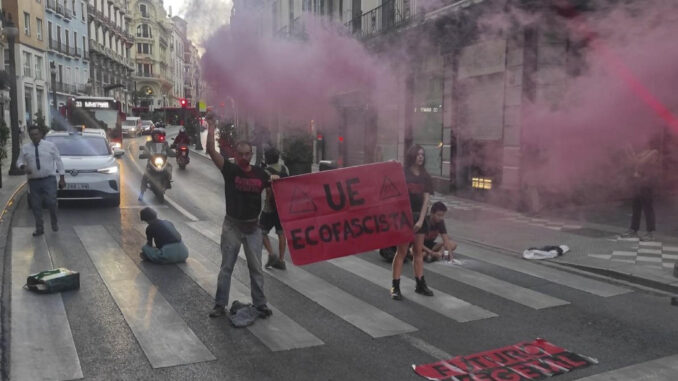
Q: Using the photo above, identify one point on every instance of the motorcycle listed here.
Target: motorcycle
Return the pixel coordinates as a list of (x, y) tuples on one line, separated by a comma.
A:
[(157, 171), (182, 155)]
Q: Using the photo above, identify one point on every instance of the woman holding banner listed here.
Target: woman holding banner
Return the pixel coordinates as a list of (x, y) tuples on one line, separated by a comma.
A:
[(420, 187)]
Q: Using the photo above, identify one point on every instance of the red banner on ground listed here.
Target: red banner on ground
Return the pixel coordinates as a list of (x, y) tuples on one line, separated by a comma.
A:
[(344, 211), (533, 360)]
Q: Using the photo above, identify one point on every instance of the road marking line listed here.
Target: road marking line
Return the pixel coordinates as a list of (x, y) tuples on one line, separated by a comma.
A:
[(506, 290), (539, 271), (162, 334), (661, 369), (41, 338), (427, 348)]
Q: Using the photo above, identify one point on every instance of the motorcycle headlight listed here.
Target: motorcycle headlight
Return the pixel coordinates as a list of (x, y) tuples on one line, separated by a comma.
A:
[(116, 145), (159, 161), (108, 170)]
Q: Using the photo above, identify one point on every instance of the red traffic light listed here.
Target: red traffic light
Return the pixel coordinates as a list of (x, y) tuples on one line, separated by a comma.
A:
[(341, 139), (182, 101)]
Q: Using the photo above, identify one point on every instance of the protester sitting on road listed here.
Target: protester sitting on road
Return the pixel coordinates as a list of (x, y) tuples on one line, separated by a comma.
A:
[(168, 245), (420, 187), (269, 214), (433, 251)]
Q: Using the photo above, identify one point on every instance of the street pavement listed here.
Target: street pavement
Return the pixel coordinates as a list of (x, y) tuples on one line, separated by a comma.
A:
[(332, 320)]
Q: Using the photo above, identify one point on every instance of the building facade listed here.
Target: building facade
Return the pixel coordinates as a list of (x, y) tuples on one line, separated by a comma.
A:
[(30, 56), (152, 75), (67, 41), (176, 52), (110, 44)]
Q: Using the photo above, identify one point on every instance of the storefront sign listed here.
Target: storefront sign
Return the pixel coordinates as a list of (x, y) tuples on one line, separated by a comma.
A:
[(344, 211), (533, 360)]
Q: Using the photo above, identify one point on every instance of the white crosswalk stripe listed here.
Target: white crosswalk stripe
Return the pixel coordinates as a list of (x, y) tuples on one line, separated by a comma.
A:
[(42, 343)]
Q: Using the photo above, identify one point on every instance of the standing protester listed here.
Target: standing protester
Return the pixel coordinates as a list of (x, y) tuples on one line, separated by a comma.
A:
[(433, 251), (41, 161), (420, 187), (645, 165), (243, 184), (168, 245), (269, 215)]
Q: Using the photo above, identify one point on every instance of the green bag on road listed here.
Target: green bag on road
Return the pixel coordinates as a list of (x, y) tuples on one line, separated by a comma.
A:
[(51, 281)]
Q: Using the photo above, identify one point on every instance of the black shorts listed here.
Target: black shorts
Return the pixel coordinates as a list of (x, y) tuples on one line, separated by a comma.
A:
[(268, 220), (424, 226), (430, 243)]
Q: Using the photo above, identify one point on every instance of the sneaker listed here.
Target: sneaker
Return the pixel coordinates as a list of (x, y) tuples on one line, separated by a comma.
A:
[(217, 311), (264, 311), (38, 232), (647, 237), (395, 293), (280, 265), (422, 288), (55, 228), (269, 263), (629, 234)]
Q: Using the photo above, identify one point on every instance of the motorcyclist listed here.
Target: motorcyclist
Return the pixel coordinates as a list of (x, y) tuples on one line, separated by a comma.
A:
[(182, 138), (156, 145)]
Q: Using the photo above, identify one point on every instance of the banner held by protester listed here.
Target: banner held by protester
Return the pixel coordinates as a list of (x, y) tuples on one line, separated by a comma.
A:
[(345, 211), (532, 360)]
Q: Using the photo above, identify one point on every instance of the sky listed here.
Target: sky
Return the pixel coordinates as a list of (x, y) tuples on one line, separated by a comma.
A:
[(202, 16)]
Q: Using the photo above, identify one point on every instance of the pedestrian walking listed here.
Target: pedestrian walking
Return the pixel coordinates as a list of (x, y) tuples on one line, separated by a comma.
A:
[(41, 161), (645, 169), (420, 187), (434, 251), (243, 185), (168, 245), (269, 215)]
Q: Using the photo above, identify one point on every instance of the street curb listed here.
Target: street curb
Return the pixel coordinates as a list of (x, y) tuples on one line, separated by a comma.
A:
[(5, 284), (612, 274)]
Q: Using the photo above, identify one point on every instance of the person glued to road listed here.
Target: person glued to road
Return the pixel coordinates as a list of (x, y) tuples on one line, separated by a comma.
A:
[(168, 245), (420, 187), (243, 185), (433, 251)]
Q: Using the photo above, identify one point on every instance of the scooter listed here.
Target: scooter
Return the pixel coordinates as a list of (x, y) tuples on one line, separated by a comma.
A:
[(157, 172), (182, 155)]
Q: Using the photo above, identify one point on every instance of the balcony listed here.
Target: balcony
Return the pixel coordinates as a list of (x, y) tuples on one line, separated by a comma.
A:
[(50, 5), (55, 45), (68, 14), (85, 54), (391, 15), (60, 9), (72, 50)]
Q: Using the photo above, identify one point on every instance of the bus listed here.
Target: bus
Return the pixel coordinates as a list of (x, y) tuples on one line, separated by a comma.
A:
[(97, 112)]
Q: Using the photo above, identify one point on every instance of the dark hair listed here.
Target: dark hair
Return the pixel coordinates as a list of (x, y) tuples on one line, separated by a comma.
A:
[(438, 207), (148, 214), (243, 142), (411, 155), (271, 155), (33, 126)]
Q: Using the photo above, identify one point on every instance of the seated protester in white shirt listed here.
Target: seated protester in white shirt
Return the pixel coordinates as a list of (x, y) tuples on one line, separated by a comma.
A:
[(41, 161), (433, 250)]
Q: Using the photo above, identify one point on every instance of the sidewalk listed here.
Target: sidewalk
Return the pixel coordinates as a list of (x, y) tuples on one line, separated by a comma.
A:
[(12, 186)]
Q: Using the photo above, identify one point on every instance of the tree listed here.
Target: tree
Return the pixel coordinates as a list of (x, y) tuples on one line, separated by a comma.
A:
[(39, 120)]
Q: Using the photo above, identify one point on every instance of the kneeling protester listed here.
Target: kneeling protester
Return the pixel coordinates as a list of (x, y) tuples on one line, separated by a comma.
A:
[(168, 245)]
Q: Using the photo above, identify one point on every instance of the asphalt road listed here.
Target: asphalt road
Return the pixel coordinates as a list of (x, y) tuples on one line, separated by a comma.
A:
[(620, 330)]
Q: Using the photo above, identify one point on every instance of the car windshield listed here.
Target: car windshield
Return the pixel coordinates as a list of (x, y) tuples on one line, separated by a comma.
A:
[(129, 123), (77, 145), (146, 122)]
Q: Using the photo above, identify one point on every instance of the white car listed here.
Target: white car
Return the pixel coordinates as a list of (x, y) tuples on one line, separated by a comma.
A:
[(131, 126), (92, 171)]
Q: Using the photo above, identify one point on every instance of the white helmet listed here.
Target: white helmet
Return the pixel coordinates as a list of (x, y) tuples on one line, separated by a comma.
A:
[(182, 129)]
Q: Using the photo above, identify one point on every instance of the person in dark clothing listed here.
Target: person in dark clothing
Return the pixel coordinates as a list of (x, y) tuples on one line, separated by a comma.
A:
[(645, 165), (168, 246), (420, 187), (243, 185), (269, 215), (433, 251)]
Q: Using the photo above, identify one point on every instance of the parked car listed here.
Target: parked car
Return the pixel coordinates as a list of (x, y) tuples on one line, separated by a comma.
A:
[(147, 126), (92, 171), (131, 126)]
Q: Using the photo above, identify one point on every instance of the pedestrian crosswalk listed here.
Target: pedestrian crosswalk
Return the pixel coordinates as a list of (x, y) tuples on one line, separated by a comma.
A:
[(167, 340)]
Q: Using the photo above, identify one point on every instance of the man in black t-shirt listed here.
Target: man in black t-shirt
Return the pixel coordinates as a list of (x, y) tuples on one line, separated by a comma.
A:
[(243, 184), (433, 250), (168, 246)]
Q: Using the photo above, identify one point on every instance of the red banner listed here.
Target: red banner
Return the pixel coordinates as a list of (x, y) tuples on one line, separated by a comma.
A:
[(344, 211), (533, 360)]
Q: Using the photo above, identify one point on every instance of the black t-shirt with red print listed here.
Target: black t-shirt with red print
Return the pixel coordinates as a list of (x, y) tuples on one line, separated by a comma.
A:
[(435, 229), (243, 190), (417, 186)]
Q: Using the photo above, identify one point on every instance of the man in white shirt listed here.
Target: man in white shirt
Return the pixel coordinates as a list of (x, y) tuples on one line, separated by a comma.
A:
[(41, 161)]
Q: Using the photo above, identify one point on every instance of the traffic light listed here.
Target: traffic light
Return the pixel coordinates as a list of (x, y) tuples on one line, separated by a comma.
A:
[(183, 103)]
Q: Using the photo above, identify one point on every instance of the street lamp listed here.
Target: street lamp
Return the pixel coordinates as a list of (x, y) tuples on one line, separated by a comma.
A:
[(11, 31)]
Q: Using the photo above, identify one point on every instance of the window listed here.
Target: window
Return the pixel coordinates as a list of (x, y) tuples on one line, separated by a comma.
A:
[(38, 28), (49, 33), (58, 35), (27, 23), (6, 55), (67, 39), (75, 42), (84, 47), (143, 10), (27, 64), (38, 67), (39, 95), (145, 48), (82, 11), (144, 30)]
